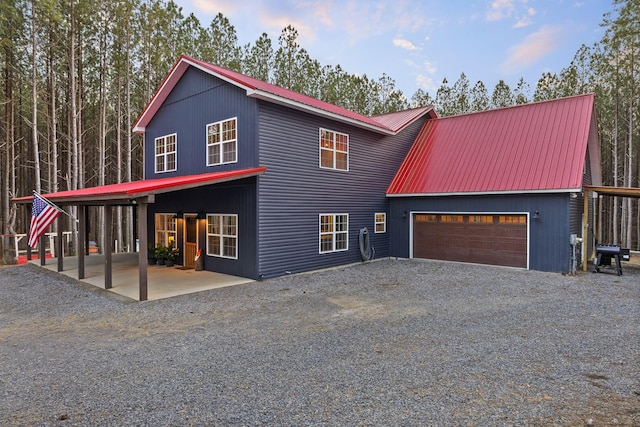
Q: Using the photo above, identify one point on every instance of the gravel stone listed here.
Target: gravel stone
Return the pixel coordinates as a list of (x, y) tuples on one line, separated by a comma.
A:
[(383, 343)]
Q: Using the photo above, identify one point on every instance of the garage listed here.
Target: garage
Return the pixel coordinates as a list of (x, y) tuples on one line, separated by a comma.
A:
[(496, 239)]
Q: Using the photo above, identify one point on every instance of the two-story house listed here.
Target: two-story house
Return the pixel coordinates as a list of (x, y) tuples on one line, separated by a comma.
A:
[(317, 172), (265, 181)]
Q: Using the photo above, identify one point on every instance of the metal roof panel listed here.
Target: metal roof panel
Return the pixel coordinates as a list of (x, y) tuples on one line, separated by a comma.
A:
[(538, 146)]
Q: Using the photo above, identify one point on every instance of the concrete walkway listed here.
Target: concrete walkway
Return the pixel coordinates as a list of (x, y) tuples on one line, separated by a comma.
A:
[(164, 282)]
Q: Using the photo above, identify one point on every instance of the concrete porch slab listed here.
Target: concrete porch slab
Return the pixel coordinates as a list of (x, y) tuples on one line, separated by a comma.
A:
[(163, 282)]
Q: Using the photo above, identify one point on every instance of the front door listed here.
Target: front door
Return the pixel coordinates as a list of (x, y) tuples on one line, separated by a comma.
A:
[(190, 240)]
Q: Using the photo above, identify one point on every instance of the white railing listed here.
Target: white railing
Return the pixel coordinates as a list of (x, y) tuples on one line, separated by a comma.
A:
[(49, 248)]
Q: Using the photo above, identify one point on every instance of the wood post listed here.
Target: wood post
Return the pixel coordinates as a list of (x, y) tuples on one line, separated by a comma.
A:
[(142, 252), (59, 247), (108, 215), (81, 239)]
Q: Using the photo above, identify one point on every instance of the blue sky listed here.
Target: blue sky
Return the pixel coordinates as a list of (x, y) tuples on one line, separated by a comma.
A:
[(419, 43)]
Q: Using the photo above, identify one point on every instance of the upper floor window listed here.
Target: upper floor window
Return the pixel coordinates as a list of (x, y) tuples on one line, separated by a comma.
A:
[(222, 141), (166, 153), (334, 232), (334, 150)]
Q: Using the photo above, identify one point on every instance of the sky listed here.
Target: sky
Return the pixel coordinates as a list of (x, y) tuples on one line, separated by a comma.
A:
[(421, 42)]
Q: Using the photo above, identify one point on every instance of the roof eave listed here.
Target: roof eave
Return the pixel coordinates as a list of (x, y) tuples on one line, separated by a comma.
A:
[(487, 193), (127, 197), (270, 97)]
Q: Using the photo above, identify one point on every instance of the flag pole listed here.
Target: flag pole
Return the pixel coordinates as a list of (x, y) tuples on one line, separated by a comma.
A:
[(53, 205)]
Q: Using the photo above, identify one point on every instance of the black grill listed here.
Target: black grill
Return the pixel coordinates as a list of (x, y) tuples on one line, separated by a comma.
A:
[(606, 253)]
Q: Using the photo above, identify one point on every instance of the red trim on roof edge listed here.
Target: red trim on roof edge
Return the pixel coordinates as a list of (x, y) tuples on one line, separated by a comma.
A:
[(149, 186)]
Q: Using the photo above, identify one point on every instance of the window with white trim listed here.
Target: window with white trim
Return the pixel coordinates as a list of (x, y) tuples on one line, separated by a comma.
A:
[(222, 235), (381, 222), (222, 142), (334, 150), (166, 230), (334, 232), (166, 155)]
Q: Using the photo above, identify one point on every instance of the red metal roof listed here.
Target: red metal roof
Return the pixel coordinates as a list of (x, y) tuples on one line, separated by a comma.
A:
[(130, 190), (400, 119), (272, 93), (532, 147)]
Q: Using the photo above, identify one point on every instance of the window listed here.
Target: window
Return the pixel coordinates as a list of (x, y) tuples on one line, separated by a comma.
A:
[(222, 140), (166, 230), (166, 153), (426, 218), (334, 232), (481, 218), (512, 219), (334, 150), (381, 222), (222, 235)]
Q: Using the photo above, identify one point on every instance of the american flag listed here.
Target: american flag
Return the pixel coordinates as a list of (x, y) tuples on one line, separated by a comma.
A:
[(42, 215)]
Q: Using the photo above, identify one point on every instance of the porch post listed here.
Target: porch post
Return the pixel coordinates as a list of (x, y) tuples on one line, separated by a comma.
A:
[(41, 250), (59, 247), (142, 251), (81, 239), (108, 214), (585, 229)]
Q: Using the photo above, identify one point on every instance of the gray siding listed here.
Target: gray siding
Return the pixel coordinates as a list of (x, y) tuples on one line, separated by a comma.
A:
[(236, 197), (197, 100), (549, 235), (295, 191)]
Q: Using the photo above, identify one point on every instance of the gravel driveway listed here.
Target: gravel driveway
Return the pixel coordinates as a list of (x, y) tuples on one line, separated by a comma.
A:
[(386, 343)]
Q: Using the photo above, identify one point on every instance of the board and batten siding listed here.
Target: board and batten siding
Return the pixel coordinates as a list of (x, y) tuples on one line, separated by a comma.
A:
[(548, 235), (295, 190), (199, 99)]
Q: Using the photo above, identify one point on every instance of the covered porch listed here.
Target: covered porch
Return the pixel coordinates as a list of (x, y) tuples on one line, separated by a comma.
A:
[(139, 194), (166, 282)]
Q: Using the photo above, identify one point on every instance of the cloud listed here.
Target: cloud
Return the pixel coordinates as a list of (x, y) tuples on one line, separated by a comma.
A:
[(226, 7), (425, 82), (499, 9), (404, 44), (525, 21), (324, 14), (535, 46), (429, 67)]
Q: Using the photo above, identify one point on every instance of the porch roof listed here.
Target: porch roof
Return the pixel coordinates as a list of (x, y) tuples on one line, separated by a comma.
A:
[(125, 192), (633, 192)]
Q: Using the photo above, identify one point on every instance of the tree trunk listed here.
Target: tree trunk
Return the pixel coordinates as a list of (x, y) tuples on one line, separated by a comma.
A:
[(629, 176), (9, 187), (129, 148), (34, 99), (73, 118)]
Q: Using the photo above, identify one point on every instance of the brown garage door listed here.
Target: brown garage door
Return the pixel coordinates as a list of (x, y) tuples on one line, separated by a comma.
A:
[(483, 239)]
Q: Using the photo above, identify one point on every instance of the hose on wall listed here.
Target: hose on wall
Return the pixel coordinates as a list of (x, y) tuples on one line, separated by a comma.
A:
[(366, 251)]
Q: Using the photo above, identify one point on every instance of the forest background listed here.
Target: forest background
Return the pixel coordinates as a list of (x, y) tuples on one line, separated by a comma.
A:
[(77, 73)]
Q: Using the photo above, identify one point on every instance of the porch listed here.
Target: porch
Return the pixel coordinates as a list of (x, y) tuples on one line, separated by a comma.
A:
[(164, 282)]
